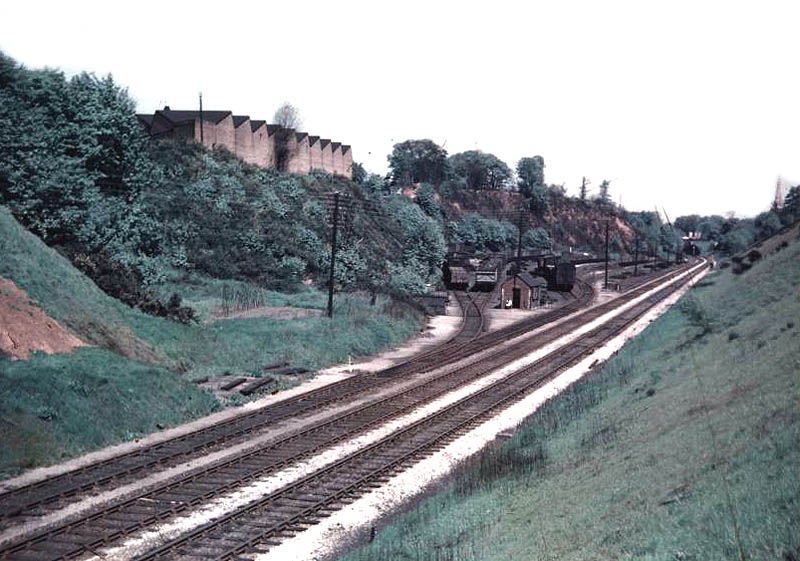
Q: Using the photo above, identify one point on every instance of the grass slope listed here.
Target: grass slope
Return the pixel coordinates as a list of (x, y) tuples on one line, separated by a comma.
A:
[(684, 446), (54, 407)]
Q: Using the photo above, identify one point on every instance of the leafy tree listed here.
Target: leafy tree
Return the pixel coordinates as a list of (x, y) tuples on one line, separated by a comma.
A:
[(376, 185), (537, 239), (416, 161), (484, 233), (421, 238), (426, 199), (359, 173), (688, 223), (480, 170), (539, 202), (767, 224), (530, 175), (737, 235), (710, 227)]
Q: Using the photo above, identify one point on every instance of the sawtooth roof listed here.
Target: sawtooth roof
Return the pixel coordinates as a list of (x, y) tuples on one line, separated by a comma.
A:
[(183, 116), (239, 120)]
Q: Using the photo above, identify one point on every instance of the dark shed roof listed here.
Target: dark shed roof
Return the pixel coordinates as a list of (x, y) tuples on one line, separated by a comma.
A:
[(272, 129), (323, 142), (335, 146), (300, 136), (238, 120), (255, 125), (312, 140), (146, 120), (345, 148), (531, 280), (183, 116)]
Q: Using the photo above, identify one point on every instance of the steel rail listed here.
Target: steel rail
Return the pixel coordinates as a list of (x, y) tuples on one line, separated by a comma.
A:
[(389, 450), (262, 456)]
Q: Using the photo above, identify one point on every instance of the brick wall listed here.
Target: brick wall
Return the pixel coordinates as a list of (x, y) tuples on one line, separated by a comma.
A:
[(347, 156), (225, 134), (243, 136), (327, 155), (301, 157), (262, 147), (338, 163), (315, 153), (253, 142)]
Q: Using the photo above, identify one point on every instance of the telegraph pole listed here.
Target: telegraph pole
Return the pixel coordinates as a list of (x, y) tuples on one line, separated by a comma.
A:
[(333, 252), (519, 249), (605, 285), (201, 117)]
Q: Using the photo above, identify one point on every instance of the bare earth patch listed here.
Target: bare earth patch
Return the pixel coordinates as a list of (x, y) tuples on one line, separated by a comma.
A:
[(24, 327)]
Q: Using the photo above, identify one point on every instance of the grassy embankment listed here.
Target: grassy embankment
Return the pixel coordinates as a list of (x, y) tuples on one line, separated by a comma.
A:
[(138, 377), (684, 446)]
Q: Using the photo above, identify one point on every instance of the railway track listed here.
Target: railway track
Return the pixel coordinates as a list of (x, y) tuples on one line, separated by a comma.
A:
[(106, 525), (124, 468), (265, 523)]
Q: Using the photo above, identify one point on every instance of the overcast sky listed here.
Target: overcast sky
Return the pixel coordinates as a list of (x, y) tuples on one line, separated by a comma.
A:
[(692, 106)]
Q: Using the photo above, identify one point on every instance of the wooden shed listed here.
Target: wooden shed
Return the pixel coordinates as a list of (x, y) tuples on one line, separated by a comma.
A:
[(523, 291)]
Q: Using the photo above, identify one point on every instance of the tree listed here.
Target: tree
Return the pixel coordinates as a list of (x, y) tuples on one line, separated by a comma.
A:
[(416, 161), (605, 196), (584, 185), (426, 199), (359, 173), (538, 239), (767, 224), (791, 205), (539, 201), (689, 223), (530, 174), (288, 117), (480, 170)]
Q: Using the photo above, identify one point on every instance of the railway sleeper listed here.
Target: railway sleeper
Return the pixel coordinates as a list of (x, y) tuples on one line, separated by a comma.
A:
[(32, 555)]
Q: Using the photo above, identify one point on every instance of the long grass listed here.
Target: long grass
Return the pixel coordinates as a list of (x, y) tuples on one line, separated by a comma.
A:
[(683, 446), (56, 406)]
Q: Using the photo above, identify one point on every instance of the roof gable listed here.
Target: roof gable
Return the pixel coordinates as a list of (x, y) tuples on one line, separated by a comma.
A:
[(239, 120)]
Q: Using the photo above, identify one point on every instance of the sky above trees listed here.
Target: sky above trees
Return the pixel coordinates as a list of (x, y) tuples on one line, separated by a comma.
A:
[(691, 106)]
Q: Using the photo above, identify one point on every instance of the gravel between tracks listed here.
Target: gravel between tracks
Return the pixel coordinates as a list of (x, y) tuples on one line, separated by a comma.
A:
[(151, 538), (352, 524)]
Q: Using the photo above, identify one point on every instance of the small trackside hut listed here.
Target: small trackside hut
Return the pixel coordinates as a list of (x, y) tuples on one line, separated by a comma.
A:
[(523, 291)]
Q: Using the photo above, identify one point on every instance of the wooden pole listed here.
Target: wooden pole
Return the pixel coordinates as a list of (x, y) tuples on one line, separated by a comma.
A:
[(333, 252)]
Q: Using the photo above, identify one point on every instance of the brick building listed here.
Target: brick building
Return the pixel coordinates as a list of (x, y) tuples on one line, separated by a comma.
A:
[(523, 291), (252, 141)]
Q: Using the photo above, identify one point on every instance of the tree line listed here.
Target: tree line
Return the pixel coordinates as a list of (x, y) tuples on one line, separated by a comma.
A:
[(131, 213)]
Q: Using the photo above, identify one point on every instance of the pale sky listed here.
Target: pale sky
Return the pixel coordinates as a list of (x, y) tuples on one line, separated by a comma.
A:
[(689, 105)]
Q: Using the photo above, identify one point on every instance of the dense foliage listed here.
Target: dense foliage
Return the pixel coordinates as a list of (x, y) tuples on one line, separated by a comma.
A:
[(474, 169), (79, 172), (486, 234), (530, 175), (415, 161)]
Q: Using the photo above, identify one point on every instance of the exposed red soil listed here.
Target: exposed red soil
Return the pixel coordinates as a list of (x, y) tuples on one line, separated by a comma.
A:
[(24, 327)]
